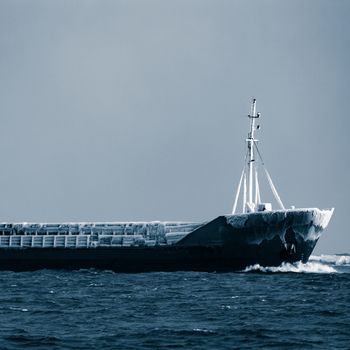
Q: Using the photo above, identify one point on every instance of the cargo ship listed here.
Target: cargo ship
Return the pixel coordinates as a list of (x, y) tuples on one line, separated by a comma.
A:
[(258, 234)]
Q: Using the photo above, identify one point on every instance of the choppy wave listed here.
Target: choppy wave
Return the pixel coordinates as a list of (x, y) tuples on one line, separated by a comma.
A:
[(338, 260), (142, 310), (310, 267), (316, 264)]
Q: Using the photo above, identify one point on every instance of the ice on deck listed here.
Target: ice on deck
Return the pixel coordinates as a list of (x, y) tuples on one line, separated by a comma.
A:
[(93, 234), (308, 223)]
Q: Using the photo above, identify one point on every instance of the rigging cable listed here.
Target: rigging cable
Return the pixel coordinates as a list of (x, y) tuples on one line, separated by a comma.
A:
[(239, 186), (273, 188)]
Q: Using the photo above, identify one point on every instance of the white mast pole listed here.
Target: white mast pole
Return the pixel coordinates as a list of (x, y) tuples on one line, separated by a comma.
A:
[(250, 141)]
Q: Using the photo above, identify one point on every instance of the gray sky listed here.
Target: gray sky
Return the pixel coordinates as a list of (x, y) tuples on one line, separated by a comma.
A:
[(135, 110)]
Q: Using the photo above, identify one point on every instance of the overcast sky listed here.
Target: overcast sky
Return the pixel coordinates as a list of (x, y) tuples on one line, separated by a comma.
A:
[(135, 110)]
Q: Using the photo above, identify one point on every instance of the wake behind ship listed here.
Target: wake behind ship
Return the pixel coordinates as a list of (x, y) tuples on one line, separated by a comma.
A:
[(257, 235)]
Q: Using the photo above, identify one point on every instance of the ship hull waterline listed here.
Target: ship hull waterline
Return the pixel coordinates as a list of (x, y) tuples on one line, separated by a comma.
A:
[(209, 259)]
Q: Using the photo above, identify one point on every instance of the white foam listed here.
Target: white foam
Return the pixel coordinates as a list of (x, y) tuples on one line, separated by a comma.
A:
[(338, 260), (310, 267)]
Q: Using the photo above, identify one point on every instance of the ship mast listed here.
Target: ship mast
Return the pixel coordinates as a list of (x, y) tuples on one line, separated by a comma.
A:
[(250, 171), (250, 142)]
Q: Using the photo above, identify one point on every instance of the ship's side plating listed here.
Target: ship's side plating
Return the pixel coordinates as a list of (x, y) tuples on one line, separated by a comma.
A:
[(265, 238)]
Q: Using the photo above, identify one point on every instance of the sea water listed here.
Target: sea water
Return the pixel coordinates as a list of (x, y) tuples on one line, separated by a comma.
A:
[(299, 306)]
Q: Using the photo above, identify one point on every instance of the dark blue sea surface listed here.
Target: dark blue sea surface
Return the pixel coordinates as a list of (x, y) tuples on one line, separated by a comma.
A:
[(302, 306)]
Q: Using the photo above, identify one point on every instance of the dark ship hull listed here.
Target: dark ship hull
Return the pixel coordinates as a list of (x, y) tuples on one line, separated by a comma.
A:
[(228, 243)]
